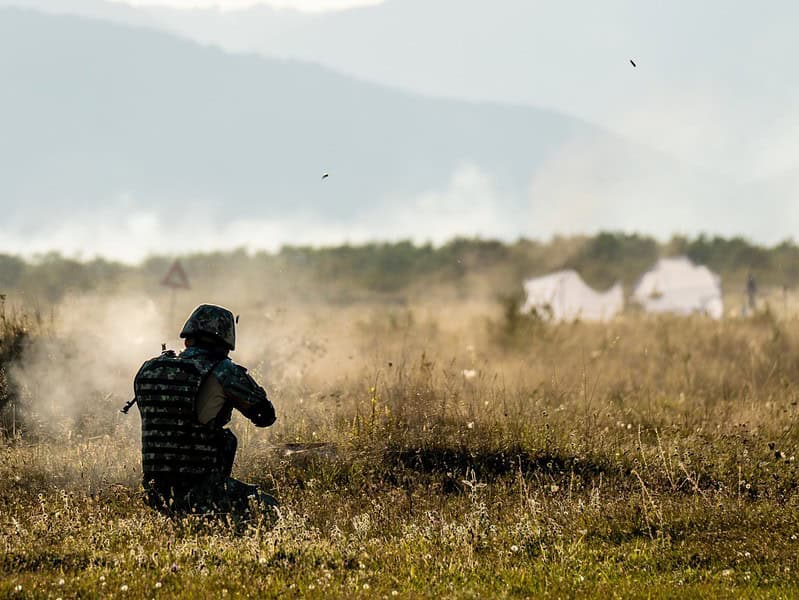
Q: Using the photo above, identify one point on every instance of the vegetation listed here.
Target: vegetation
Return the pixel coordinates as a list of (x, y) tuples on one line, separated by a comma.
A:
[(450, 454), (465, 268)]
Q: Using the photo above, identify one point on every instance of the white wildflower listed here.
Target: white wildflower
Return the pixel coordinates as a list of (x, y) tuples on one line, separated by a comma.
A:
[(514, 548), (469, 373), (158, 585), (124, 587)]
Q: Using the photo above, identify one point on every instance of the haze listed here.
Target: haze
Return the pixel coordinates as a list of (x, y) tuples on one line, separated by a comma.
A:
[(228, 5), (193, 125)]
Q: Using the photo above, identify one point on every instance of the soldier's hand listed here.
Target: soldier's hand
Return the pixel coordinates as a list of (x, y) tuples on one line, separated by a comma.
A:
[(264, 416)]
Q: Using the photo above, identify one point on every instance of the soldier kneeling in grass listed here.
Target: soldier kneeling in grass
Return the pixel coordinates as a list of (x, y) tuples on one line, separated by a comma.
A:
[(185, 401)]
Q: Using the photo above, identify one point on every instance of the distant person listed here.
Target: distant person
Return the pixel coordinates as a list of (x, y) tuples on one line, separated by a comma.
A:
[(751, 292), (185, 400)]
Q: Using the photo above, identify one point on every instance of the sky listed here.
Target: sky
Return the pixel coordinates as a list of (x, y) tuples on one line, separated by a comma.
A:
[(714, 91), (228, 5), (713, 83)]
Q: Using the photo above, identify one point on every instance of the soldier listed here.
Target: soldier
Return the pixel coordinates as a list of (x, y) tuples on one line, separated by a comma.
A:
[(751, 292), (185, 401)]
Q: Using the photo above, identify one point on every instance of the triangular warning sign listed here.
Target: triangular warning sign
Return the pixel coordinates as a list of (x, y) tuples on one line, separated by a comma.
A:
[(176, 277)]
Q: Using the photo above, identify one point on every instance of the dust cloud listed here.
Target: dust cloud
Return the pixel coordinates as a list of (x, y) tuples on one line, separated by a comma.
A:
[(75, 375)]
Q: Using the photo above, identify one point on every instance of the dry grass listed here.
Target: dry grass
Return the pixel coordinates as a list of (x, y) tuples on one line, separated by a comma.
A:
[(457, 456)]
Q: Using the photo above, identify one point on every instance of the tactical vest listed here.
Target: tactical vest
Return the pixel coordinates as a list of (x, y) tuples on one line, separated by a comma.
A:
[(173, 442)]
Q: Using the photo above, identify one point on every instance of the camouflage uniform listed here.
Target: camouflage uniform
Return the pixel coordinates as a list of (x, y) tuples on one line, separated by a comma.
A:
[(187, 463)]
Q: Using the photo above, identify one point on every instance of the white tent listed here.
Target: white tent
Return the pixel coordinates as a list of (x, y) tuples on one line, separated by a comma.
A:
[(676, 285), (564, 296)]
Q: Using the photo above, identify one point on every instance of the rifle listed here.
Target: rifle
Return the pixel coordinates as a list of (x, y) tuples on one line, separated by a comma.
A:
[(129, 404)]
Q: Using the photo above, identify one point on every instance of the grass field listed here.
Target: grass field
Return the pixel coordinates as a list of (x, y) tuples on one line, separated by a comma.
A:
[(437, 453)]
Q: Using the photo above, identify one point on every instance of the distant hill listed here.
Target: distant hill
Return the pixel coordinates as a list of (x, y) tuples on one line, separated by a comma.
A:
[(100, 118)]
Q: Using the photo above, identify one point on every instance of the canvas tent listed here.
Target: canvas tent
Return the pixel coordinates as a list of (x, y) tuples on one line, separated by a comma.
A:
[(564, 296), (676, 285)]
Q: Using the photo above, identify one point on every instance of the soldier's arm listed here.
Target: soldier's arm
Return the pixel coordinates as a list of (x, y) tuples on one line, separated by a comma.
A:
[(245, 394)]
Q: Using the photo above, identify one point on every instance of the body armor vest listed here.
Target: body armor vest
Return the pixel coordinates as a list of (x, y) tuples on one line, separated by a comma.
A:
[(173, 442)]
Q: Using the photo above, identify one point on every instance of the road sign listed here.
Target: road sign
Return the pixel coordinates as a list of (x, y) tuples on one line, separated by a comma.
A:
[(176, 277)]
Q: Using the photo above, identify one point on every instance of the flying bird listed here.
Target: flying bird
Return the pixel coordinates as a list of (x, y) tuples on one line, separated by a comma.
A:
[(325, 175), (632, 62)]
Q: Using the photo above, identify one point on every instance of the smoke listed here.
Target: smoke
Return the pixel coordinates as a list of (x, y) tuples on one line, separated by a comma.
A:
[(77, 374), (469, 204), (83, 369)]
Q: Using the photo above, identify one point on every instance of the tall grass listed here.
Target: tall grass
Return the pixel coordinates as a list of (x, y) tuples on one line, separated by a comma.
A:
[(457, 457)]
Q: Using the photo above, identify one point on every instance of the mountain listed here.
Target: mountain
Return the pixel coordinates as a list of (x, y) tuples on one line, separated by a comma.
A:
[(101, 122)]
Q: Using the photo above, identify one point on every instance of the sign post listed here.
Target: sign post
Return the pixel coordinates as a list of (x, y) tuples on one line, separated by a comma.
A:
[(175, 279)]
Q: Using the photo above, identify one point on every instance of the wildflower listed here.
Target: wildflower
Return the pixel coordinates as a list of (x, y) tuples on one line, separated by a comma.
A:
[(311, 587), (18, 588), (793, 537), (514, 548), (262, 560), (394, 593), (124, 587), (469, 373), (554, 488), (470, 425), (366, 586), (102, 578), (158, 585), (726, 572), (61, 581), (747, 554)]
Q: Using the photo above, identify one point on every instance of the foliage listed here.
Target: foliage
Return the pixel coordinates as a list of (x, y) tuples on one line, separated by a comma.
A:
[(14, 330), (403, 271)]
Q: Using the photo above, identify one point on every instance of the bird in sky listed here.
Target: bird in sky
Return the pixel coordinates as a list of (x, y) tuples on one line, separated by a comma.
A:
[(632, 62), (325, 175)]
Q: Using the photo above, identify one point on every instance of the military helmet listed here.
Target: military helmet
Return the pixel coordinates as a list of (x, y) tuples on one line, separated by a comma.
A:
[(214, 321)]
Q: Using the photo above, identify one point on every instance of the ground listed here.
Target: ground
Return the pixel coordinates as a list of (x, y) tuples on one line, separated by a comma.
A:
[(452, 457)]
